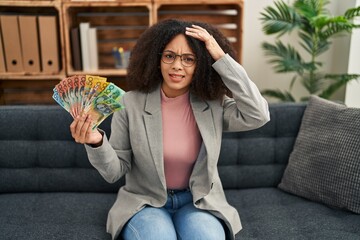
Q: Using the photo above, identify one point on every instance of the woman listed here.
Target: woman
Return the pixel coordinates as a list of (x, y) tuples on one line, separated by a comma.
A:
[(167, 138)]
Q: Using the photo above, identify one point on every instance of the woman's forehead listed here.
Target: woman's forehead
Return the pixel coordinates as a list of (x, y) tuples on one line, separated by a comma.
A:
[(179, 45)]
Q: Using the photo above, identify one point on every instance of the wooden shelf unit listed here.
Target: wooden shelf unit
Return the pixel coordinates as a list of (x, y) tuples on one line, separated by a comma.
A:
[(37, 7), (226, 15), (119, 23), (26, 87)]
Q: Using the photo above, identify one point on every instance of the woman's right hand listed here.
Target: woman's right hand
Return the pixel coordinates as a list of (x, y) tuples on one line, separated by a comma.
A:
[(82, 132)]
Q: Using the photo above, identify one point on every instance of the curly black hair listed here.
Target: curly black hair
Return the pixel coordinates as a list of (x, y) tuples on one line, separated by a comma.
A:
[(144, 73)]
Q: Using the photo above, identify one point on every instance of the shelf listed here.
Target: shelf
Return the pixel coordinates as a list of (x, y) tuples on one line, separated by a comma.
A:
[(22, 92), (118, 24), (103, 72), (36, 8), (187, 2), (226, 15), (30, 76), (106, 1)]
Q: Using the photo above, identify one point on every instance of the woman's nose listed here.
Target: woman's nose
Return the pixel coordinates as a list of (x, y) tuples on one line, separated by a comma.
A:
[(177, 63)]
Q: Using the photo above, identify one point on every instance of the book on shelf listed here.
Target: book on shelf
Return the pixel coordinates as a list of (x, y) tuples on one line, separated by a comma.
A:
[(2, 60), (89, 47), (76, 49), (93, 49), (84, 40)]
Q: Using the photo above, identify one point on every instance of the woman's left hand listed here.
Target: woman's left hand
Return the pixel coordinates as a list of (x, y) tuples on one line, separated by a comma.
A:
[(211, 45)]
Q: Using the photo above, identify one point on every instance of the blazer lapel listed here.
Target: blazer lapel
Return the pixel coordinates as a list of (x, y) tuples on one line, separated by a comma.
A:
[(204, 120), (153, 125), (203, 169)]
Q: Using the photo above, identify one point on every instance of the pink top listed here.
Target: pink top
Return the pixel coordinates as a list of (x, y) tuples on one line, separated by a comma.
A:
[(181, 139)]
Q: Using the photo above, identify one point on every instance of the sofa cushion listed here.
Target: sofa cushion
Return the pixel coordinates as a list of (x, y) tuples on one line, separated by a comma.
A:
[(262, 152), (325, 163), (266, 213), (41, 155), (270, 213), (55, 215), (38, 154)]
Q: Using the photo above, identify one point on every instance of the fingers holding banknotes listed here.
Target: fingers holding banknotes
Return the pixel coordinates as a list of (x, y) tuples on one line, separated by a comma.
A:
[(90, 100), (88, 95), (82, 131)]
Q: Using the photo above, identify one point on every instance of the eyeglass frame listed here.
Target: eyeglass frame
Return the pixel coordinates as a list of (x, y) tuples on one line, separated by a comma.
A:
[(178, 55)]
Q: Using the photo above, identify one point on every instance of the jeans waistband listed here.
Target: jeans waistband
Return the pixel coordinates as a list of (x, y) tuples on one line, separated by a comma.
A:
[(174, 191)]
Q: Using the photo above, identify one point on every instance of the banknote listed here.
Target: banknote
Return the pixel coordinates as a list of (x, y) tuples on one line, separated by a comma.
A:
[(90, 95)]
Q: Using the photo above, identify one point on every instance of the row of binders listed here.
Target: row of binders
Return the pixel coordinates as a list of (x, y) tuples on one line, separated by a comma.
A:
[(29, 43), (84, 46)]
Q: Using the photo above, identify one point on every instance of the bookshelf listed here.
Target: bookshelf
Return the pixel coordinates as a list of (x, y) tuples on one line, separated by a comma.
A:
[(118, 23), (32, 87)]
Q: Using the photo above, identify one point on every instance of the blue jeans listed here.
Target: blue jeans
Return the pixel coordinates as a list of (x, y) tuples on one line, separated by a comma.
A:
[(178, 219)]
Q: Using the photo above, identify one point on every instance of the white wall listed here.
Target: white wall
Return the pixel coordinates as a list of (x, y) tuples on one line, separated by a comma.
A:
[(255, 62), (352, 96), (337, 58)]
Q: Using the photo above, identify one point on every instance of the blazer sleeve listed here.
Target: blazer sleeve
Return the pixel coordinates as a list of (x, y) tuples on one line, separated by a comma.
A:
[(247, 109), (113, 158)]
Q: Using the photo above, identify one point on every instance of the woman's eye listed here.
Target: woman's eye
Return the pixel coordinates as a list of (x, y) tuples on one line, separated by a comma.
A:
[(169, 56), (189, 59)]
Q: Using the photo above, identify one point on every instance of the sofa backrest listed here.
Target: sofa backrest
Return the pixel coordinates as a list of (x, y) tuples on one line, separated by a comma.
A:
[(258, 158), (38, 154)]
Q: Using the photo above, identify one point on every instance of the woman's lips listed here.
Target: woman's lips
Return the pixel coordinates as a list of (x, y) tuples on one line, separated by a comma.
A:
[(176, 77)]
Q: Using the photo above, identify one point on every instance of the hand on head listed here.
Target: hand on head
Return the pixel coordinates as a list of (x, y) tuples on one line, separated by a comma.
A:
[(83, 133), (211, 44)]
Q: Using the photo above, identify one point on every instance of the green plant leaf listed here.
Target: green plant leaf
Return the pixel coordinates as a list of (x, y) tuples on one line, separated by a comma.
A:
[(306, 41), (284, 58), (278, 94), (322, 46), (293, 80), (280, 19), (304, 99), (352, 12), (339, 80), (334, 26), (312, 82), (316, 27), (312, 45), (310, 8), (320, 21)]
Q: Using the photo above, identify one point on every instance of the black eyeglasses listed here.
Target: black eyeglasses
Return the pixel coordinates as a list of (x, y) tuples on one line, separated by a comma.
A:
[(187, 59)]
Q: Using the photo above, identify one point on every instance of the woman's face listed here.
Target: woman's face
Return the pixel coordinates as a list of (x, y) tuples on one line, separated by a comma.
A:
[(176, 76)]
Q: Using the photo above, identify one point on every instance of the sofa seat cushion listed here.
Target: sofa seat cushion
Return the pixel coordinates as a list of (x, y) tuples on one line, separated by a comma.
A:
[(269, 213), (266, 213), (55, 215)]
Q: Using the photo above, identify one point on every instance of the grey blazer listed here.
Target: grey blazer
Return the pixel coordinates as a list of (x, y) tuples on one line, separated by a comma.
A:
[(135, 148)]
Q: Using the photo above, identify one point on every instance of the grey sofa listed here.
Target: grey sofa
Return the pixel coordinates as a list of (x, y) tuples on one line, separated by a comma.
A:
[(49, 190)]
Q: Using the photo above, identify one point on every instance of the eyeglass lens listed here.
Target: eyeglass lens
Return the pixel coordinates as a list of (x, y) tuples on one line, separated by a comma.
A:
[(186, 59)]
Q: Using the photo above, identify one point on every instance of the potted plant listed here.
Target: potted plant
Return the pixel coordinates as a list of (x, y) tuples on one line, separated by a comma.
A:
[(315, 27)]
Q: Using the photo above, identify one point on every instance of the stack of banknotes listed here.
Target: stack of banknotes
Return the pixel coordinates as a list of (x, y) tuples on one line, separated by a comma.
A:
[(89, 95)]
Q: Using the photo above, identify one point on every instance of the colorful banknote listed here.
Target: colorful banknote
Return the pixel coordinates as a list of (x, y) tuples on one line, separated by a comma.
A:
[(90, 95)]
